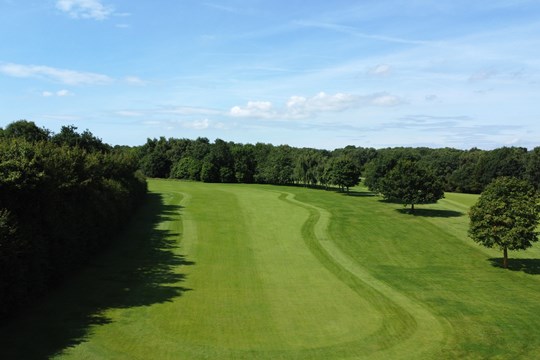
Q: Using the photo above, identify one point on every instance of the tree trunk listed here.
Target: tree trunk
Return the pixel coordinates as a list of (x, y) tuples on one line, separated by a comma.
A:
[(412, 208), (505, 258)]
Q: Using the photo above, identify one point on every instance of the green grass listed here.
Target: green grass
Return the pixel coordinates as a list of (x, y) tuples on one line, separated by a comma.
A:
[(217, 271)]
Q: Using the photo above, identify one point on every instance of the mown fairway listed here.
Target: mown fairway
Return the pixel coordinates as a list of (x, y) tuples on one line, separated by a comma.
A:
[(216, 271)]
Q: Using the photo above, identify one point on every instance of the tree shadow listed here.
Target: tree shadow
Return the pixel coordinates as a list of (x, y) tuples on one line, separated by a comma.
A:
[(528, 266), (357, 193), (140, 268), (431, 213)]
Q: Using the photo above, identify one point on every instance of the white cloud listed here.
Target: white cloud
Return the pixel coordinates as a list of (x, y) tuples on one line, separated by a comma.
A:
[(201, 124), (300, 107), (69, 77), (152, 122), (260, 109), (85, 9), (60, 93), (197, 124), (190, 110), (386, 100), (129, 113), (134, 80), (380, 70)]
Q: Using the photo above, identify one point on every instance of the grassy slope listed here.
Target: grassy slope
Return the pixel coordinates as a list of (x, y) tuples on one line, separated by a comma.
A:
[(235, 271)]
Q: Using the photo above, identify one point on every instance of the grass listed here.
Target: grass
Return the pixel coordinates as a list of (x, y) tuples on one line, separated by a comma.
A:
[(217, 271)]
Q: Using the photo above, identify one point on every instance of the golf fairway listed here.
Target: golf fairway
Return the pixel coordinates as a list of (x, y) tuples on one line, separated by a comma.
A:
[(219, 271)]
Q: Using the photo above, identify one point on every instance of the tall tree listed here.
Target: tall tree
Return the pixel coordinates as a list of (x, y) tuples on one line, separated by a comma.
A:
[(410, 183), (27, 130), (505, 216), (532, 171), (344, 172), (245, 163), (386, 159)]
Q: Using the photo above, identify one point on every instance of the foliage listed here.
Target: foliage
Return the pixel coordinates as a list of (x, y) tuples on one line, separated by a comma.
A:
[(410, 183), (27, 130), (61, 200), (383, 163), (467, 171), (343, 172), (506, 216)]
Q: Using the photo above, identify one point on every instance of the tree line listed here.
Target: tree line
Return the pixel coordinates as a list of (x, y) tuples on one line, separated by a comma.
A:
[(229, 162), (467, 171), (63, 197)]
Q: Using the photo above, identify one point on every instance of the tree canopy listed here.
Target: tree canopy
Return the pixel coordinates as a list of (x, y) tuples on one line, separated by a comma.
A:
[(62, 199), (411, 183), (506, 216)]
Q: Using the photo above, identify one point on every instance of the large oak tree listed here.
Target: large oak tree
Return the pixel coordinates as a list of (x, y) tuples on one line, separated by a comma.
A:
[(505, 216), (410, 183)]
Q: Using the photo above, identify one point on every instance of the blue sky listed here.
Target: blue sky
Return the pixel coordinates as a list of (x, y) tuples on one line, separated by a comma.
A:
[(321, 74)]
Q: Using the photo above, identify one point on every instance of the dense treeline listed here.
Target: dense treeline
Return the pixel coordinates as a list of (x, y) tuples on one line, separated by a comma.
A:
[(62, 198), (468, 171), (229, 162)]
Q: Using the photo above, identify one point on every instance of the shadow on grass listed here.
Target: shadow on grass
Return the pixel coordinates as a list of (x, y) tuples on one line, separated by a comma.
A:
[(528, 266), (356, 193), (431, 213), (139, 269)]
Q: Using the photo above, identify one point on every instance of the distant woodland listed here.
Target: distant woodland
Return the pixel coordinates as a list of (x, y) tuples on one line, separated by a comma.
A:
[(467, 171)]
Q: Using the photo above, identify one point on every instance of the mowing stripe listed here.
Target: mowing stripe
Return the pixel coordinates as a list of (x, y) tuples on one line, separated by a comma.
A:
[(429, 333)]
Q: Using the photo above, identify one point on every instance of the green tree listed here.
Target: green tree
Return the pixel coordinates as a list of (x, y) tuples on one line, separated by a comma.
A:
[(69, 136), (209, 172), (505, 216), (410, 183), (344, 172), (466, 177), (378, 167), (187, 168), (306, 168), (244, 162), (532, 171), (27, 130)]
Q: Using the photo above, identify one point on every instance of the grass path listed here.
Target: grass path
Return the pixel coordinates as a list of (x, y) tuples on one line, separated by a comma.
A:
[(218, 271)]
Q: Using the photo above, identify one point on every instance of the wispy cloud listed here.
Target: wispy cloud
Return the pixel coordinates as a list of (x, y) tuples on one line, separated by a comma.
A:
[(482, 75), (197, 124), (380, 70), (59, 93), (134, 80), (220, 7), (129, 113), (301, 107), (189, 110), (355, 32), (85, 9), (61, 117), (69, 77)]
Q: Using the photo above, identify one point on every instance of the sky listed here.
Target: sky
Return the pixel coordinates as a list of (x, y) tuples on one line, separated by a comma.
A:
[(320, 74)]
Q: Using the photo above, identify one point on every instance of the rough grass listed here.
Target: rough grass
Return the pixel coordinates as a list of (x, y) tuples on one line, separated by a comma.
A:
[(211, 271)]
